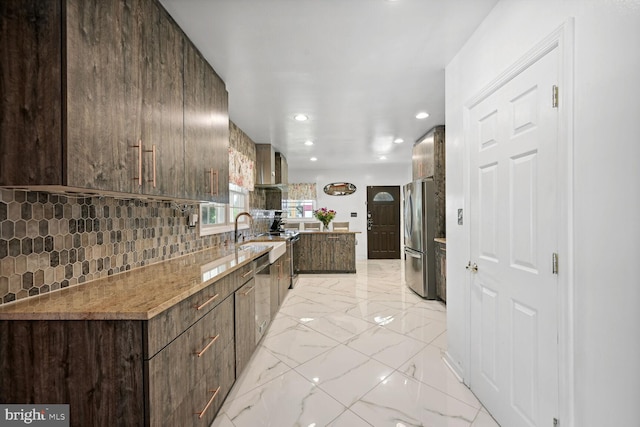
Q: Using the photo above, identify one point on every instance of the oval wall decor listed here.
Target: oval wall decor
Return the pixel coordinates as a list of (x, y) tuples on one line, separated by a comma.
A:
[(339, 189)]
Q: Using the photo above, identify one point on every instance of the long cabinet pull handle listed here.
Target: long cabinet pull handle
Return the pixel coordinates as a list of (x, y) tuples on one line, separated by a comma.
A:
[(153, 159), (215, 393), (247, 273), (139, 177), (207, 301), (333, 238), (213, 183), (248, 291), (201, 352)]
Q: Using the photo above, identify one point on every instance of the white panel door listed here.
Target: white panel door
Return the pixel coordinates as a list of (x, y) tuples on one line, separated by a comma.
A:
[(513, 157)]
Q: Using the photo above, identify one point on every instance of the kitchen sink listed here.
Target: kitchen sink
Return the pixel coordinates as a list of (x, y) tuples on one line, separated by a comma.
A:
[(278, 248)]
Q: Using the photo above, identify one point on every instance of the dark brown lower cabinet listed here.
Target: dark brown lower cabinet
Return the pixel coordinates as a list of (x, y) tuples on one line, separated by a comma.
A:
[(94, 366), (441, 270), (326, 252), (109, 374), (189, 370)]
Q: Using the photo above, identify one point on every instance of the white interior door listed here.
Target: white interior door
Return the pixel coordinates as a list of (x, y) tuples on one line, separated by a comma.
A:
[(513, 135)]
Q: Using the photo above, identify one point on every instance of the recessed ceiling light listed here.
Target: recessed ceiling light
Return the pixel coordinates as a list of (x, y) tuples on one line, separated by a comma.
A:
[(383, 157), (313, 159), (422, 115), (308, 143), (301, 117), (398, 141)]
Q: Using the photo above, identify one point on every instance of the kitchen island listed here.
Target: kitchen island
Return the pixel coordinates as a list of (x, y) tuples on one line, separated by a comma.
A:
[(326, 252), (157, 345)]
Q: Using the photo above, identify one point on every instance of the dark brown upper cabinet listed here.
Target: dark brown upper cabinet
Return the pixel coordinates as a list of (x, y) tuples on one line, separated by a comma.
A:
[(95, 101), (206, 131)]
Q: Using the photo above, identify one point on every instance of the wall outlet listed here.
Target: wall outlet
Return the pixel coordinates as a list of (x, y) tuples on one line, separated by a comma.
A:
[(193, 220)]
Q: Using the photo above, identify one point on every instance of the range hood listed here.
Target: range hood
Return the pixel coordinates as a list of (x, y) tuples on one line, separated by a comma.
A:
[(271, 168)]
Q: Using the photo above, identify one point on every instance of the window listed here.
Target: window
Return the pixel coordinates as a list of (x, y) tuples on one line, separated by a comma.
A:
[(219, 218), (299, 208), (383, 196)]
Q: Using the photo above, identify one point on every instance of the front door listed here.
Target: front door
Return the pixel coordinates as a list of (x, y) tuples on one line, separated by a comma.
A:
[(383, 222), (513, 139)]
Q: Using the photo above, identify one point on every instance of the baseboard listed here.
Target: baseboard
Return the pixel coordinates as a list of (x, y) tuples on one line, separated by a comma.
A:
[(453, 366)]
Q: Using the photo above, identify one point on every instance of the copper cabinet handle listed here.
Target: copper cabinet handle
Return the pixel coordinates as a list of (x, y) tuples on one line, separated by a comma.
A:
[(213, 183), (201, 352), (248, 291), (215, 393), (247, 273), (217, 183), (333, 238), (211, 180), (199, 307), (153, 158), (139, 177)]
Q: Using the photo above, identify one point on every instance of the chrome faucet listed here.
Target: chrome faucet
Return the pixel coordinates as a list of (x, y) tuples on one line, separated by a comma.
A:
[(235, 229)]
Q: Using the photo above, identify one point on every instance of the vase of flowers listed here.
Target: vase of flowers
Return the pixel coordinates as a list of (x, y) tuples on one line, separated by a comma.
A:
[(325, 216)]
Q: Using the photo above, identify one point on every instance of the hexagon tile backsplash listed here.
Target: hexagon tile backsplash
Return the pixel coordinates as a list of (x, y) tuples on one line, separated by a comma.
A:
[(51, 241)]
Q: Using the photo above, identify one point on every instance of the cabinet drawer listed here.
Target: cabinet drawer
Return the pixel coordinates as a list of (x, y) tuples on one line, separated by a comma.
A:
[(176, 370), (200, 407), (166, 326)]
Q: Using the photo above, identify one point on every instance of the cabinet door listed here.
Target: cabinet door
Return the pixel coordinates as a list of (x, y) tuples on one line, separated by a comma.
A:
[(343, 252), (104, 94), (245, 334), (175, 373), (30, 66), (206, 130), (161, 68)]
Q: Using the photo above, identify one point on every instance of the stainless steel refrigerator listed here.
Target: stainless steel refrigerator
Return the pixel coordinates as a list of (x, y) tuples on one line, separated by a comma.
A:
[(419, 222)]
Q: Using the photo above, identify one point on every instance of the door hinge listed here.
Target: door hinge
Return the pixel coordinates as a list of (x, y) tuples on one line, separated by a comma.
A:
[(554, 96), (556, 423), (554, 261)]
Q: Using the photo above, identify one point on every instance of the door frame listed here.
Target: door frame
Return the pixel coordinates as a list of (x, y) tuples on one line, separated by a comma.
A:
[(400, 224), (562, 39)]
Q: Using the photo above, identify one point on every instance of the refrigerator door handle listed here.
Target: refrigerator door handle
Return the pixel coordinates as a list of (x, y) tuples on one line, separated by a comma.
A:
[(412, 253)]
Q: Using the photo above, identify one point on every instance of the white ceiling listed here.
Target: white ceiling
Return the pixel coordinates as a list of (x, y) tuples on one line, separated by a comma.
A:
[(360, 69)]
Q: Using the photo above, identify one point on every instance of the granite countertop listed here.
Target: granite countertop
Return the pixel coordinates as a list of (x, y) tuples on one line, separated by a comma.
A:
[(139, 294)]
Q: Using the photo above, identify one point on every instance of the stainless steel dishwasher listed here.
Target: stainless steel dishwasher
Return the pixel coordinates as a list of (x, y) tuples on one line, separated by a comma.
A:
[(263, 295)]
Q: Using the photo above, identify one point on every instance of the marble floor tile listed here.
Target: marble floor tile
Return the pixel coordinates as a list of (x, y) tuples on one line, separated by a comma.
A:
[(484, 420), (400, 400), (344, 373), (428, 367), (386, 346), (339, 326), (373, 312), (262, 368), (302, 308), (348, 419), (298, 345), (353, 350), (289, 400)]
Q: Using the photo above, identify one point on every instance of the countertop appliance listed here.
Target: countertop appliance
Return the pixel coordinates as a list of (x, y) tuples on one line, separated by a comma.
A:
[(419, 249)]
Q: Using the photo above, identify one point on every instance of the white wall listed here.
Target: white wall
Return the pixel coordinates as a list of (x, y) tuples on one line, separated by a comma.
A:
[(606, 189), (361, 177)]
